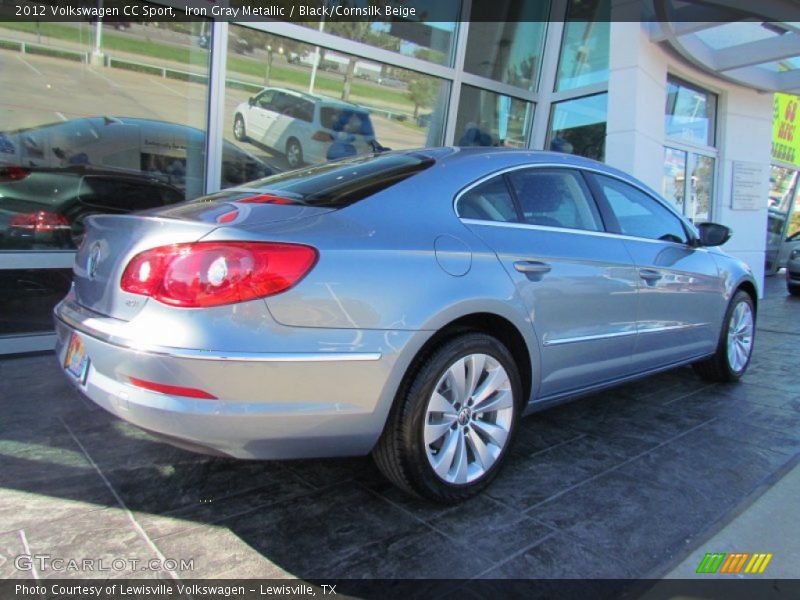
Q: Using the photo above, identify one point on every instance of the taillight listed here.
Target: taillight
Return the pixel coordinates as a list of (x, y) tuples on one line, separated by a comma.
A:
[(214, 273), (322, 136), (13, 173), (39, 221)]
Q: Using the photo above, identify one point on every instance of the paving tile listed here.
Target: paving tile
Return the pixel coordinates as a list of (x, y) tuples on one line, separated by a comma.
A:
[(166, 487), (46, 501), (542, 476), (325, 472), (559, 557), (103, 536), (489, 529), (283, 486), (426, 554), (216, 553), (11, 546), (620, 516), (306, 534)]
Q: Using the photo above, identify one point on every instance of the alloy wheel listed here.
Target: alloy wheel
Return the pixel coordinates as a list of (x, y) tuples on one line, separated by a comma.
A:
[(468, 418), (740, 336)]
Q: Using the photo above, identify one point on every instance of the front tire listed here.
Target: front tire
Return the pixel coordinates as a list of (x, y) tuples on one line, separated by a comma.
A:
[(735, 347), (451, 426), (794, 290), (239, 131)]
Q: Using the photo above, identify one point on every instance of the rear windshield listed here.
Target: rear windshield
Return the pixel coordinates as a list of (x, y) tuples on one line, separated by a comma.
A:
[(346, 120), (344, 182)]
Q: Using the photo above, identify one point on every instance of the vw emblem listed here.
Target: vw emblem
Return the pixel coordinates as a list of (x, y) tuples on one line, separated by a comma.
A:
[(94, 260)]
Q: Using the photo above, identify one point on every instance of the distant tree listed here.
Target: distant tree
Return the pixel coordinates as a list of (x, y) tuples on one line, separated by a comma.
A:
[(421, 91)]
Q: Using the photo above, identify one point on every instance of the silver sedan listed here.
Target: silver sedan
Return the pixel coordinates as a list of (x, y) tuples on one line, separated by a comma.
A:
[(409, 304)]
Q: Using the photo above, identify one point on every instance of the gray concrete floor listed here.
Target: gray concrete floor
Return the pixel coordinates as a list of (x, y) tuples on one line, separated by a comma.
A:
[(621, 484)]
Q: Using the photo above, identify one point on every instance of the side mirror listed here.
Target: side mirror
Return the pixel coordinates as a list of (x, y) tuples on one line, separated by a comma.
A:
[(251, 100), (713, 234)]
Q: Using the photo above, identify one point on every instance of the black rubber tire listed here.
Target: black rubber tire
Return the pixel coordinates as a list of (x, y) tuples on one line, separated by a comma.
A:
[(400, 452), (293, 142), (243, 137), (793, 290), (716, 368)]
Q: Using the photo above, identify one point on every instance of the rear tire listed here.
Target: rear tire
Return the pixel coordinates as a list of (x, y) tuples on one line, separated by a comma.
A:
[(452, 424), (794, 290), (736, 341), (294, 153)]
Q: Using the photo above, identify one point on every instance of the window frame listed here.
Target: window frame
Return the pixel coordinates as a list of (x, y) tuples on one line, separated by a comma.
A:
[(520, 222), (610, 217)]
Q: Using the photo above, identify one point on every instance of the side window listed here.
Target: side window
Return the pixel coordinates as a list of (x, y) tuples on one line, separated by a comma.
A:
[(489, 201), (264, 100), (555, 198), (638, 214)]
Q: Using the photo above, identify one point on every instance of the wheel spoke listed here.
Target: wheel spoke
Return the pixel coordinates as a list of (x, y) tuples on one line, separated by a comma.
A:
[(475, 365), (460, 460), (496, 434), (457, 378), (434, 431), (439, 404), (480, 450), (502, 400), (495, 380), (444, 459)]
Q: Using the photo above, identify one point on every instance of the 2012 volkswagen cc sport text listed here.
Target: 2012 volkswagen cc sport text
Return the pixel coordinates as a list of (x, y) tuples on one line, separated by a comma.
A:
[(409, 304)]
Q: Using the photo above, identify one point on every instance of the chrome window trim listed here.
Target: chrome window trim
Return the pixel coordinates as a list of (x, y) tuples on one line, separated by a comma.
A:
[(645, 191)]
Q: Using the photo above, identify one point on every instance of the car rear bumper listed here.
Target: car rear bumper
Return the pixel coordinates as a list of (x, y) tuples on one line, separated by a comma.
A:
[(268, 405)]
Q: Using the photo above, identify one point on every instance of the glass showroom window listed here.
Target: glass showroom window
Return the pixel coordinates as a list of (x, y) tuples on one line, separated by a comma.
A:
[(490, 119), (101, 118), (690, 113), (287, 114), (431, 39), (585, 45), (694, 198), (690, 156), (509, 51), (579, 126)]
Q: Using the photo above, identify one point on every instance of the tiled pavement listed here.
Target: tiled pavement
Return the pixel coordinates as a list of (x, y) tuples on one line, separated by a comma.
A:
[(619, 484)]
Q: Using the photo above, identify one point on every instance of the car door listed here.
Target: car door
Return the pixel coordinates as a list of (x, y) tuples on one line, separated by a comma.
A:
[(681, 294), (261, 116), (577, 283)]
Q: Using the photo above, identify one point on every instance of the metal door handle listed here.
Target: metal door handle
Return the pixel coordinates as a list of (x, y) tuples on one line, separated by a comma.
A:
[(650, 275), (532, 266)]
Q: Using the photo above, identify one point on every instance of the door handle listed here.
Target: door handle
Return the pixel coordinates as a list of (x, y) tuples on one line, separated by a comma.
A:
[(532, 266), (650, 275)]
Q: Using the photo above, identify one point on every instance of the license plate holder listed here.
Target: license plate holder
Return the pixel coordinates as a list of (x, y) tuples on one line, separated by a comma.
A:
[(76, 361)]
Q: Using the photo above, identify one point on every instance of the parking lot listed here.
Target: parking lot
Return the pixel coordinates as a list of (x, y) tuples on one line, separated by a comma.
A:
[(621, 484)]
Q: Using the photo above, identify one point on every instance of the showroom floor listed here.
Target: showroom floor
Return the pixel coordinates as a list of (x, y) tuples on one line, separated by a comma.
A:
[(621, 484)]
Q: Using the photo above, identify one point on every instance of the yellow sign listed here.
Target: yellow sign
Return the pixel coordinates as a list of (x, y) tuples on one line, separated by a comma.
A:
[(786, 129)]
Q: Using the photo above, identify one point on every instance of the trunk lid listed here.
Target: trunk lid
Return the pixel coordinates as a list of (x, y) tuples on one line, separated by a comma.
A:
[(111, 241)]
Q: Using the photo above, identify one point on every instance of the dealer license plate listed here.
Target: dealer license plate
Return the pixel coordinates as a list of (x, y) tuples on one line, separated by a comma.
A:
[(77, 362)]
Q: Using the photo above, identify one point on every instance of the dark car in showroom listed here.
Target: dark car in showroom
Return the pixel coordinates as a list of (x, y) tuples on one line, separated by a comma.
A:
[(53, 176)]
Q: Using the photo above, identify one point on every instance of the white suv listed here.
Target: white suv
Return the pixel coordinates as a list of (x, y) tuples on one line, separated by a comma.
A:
[(307, 128)]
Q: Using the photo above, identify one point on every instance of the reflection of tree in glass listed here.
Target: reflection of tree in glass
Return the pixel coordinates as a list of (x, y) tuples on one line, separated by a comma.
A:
[(422, 92)]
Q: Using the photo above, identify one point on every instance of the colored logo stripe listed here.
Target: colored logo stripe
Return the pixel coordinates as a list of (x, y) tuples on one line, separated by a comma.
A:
[(758, 563), (734, 563), (710, 563)]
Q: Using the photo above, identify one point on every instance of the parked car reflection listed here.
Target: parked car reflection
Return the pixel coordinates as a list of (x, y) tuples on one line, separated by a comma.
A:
[(53, 176)]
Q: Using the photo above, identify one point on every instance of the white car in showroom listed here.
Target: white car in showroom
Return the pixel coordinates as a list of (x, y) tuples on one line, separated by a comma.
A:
[(307, 128)]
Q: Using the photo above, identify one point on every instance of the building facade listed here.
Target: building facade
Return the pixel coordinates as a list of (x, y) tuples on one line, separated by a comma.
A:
[(103, 115)]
